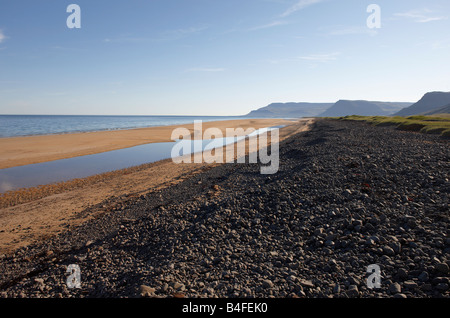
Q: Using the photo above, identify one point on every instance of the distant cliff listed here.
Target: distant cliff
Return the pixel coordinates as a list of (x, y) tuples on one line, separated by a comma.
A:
[(429, 103), (290, 110), (363, 108)]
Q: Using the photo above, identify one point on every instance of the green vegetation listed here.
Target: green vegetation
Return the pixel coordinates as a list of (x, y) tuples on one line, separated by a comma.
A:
[(439, 125)]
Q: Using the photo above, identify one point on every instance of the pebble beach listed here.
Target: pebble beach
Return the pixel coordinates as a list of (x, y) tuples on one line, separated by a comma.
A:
[(347, 195)]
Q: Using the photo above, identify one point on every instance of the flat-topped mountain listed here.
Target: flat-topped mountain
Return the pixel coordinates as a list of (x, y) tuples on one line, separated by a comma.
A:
[(430, 102), (363, 108), (290, 110)]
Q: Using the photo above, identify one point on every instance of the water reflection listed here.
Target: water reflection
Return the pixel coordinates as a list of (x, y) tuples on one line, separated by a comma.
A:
[(85, 166)]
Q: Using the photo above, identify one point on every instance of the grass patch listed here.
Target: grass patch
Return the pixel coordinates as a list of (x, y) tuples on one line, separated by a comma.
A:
[(438, 125)]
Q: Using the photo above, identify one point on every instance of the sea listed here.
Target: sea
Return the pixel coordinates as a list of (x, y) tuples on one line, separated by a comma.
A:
[(29, 125)]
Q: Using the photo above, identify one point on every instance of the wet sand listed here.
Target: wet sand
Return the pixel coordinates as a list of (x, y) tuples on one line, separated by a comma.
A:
[(19, 151)]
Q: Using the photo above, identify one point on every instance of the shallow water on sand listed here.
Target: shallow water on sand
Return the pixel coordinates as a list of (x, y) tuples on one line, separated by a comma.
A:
[(85, 166)]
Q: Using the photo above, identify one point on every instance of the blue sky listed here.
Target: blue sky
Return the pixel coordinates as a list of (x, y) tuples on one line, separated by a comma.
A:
[(216, 57)]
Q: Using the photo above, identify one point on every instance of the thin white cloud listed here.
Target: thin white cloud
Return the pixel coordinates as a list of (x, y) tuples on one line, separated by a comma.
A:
[(300, 5), (3, 37), (205, 69), (421, 16), (179, 33), (323, 58), (126, 40), (353, 30), (167, 35), (56, 94), (319, 58), (443, 44), (269, 25)]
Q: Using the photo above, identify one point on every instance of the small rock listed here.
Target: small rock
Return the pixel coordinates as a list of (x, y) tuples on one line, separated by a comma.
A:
[(395, 288), (209, 290), (442, 287), (399, 295), (306, 283), (388, 251), (402, 273), (147, 291), (353, 291), (427, 287), (267, 283), (410, 284), (319, 231), (438, 280), (442, 268), (336, 289), (49, 253), (396, 247), (353, 281), (179, 286), (411, 221), (423, 277)]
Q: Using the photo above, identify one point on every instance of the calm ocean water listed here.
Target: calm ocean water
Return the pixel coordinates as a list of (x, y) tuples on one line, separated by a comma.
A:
[(25, 125)]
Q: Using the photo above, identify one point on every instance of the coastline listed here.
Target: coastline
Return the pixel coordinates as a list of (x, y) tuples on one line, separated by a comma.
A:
[(20, 151), (269, 236), (35, 214)]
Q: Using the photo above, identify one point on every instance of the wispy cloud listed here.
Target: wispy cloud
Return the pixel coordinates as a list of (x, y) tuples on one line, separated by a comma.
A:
[(323, 58), (3, 37), (268, 25), (443, 44), (299, 6), (352, 30), (126, 39), (179, 33), (167, 35), (63, 48), (421, 16), (318, 58), (56, 94), (205, 69)]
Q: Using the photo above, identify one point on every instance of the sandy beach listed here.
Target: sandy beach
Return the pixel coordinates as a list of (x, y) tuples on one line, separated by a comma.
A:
[(44, 212), (19, 151)]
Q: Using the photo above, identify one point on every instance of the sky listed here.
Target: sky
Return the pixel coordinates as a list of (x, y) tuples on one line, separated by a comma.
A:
[(216, 57)]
